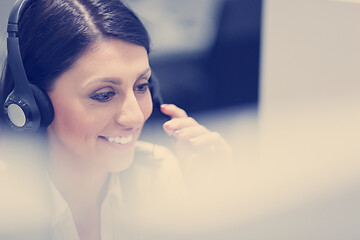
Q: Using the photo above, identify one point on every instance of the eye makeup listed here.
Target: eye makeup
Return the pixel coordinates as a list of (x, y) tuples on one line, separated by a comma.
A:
[(103, 96)]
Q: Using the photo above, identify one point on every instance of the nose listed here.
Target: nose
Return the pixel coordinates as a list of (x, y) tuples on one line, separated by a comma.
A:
[(129, 114)]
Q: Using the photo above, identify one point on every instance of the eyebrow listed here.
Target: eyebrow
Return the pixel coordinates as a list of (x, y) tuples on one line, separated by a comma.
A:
[(117, 81)]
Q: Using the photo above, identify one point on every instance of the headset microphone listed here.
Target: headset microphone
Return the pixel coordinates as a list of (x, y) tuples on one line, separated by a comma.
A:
[(155, 89), (27, 107)]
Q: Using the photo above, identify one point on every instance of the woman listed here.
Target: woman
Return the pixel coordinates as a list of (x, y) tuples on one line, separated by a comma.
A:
[(91, 58)]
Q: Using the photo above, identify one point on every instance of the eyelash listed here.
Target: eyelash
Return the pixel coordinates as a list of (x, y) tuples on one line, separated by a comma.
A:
[(103, 97), (107, 96), (142, 88)]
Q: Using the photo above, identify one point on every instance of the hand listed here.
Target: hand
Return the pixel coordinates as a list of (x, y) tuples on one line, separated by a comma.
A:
[(198, 148)]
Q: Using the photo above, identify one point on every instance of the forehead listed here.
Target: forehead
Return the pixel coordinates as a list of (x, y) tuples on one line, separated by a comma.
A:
[(114, 49), (108, 58)]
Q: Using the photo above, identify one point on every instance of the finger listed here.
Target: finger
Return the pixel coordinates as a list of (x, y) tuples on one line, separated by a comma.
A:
[(173, 111), (190, 132), (211, 138), (213, 142), (168, 130), (179, 123)]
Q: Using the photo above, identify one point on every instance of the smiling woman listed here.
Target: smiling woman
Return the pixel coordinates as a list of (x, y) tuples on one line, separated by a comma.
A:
[(78, 72), (101, 109)]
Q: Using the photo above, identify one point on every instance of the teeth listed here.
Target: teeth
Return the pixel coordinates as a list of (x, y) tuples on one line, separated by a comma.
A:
[(120, 140)]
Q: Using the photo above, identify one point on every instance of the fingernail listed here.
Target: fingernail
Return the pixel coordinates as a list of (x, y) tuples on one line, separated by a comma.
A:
[(168, 125), (164, 105)]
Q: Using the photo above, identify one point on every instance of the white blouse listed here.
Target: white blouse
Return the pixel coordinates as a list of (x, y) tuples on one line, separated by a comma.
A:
[(129, 203)]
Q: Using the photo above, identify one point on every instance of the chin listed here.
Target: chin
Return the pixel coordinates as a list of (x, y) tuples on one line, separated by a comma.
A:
[(120, 163)]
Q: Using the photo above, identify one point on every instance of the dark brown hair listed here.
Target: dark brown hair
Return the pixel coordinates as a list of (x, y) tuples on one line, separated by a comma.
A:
[(53, 34)]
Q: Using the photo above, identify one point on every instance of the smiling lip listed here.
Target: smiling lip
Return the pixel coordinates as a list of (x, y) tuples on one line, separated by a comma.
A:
[(119, 140)]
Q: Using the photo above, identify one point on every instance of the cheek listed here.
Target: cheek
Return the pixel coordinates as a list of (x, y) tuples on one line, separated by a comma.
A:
[(72, 124), (71, 119)]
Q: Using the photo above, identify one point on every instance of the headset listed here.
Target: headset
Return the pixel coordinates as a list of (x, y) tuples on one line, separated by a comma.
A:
[(27, 107)]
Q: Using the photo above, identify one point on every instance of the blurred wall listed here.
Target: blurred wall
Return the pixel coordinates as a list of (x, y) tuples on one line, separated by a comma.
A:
[(309, 121), (310, 68), (206, 52), (5, 7)]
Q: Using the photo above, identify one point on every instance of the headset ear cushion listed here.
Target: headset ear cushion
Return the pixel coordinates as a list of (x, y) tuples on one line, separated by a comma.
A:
[(45, 106)]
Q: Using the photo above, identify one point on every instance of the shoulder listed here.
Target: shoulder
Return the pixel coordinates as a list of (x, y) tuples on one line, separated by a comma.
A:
[(155, 149), (157, 165), (154, 155)]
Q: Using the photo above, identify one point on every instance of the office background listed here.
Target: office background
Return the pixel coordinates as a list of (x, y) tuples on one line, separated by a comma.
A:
[(281, 80), (205, 52)]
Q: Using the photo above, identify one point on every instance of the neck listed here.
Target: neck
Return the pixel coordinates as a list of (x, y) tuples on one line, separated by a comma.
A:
[(80, 183)]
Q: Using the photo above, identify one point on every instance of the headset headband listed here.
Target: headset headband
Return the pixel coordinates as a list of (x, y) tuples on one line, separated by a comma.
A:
[(21, 95), (15, 15)]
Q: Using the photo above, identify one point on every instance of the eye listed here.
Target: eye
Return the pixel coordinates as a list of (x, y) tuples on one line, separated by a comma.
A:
[(142, 88), (103, 96)]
